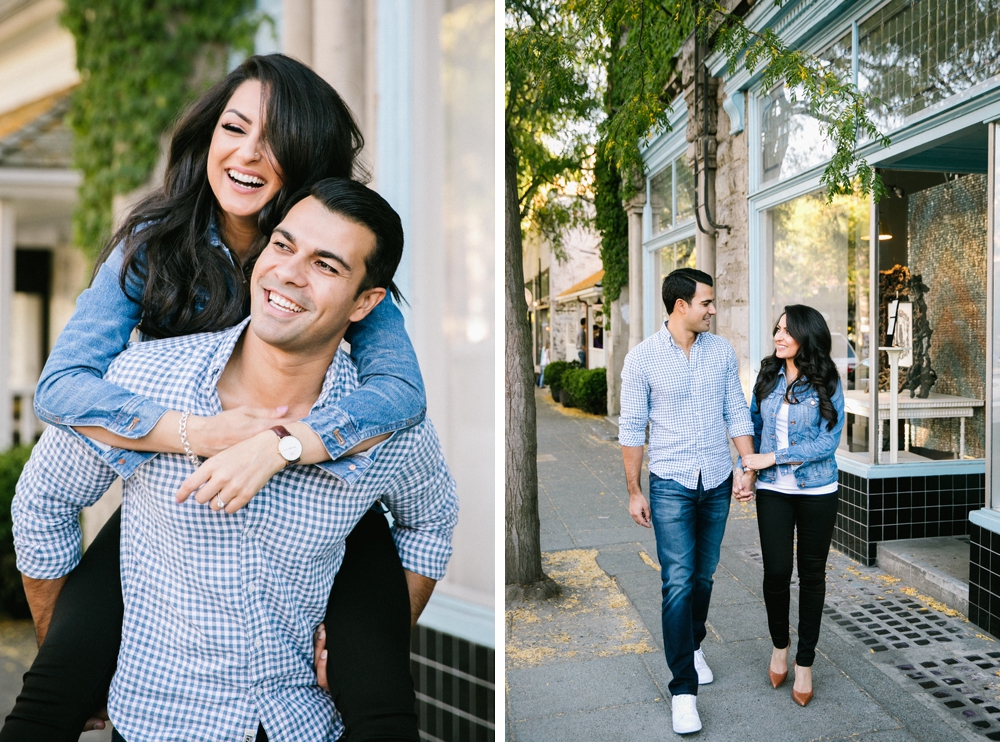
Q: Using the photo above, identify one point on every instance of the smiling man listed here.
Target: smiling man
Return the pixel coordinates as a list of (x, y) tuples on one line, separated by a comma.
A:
[(685, 383), (221, 606)]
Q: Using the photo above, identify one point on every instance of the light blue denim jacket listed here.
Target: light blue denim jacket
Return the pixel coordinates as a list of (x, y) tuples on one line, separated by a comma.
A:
[(72, 391), (809, 439)]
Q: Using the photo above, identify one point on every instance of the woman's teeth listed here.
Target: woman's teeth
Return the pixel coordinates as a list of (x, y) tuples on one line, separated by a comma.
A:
[(250, 181)]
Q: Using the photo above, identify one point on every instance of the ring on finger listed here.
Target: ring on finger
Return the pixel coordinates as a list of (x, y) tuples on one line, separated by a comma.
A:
[(219, 502)]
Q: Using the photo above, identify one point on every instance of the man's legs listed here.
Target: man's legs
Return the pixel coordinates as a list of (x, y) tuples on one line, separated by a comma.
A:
[(689, 526), (713, 512)]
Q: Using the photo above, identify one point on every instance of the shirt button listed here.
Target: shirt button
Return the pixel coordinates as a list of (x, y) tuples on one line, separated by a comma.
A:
[(252, 587), (352, 467), (121, 462), (259, 643), (259, 691)]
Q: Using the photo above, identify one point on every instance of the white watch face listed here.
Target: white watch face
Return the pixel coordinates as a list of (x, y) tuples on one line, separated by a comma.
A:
[(290, 447)]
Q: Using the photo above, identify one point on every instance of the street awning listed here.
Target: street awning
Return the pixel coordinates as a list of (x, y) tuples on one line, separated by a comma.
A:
[(588, 288)]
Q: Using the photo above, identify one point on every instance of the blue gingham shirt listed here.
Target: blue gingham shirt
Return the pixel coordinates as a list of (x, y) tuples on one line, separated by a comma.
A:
[(693, 406), (220, 609)]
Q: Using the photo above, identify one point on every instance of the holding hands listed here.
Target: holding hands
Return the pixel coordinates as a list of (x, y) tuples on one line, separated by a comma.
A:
[(743, 484)]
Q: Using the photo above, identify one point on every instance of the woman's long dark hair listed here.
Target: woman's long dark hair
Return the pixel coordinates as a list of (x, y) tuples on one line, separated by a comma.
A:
[(187, 286), (815, 366)]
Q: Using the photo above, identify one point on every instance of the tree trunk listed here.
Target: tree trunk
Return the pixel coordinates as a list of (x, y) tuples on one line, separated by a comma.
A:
[(523, 544)]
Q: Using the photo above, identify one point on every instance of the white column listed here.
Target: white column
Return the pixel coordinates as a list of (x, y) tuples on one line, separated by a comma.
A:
[(297, 29), (338, 50), (7, 247), (635, 282)]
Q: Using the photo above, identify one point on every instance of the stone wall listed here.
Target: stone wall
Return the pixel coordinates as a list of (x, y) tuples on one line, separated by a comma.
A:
[(947, 247), (732, 257)]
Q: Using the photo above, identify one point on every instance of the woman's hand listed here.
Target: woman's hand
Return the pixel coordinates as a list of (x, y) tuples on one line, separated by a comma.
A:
[(236, 474), (758, 461), (210, 436)]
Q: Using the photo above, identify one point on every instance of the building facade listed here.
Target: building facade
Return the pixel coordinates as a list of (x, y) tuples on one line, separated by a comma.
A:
[(912, 271), (561, 290), (420, 79)]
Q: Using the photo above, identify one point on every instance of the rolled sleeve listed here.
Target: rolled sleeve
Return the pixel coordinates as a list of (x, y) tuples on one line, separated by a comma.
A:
[(634, 404), (62, 477), (736, 412), (424, 507)]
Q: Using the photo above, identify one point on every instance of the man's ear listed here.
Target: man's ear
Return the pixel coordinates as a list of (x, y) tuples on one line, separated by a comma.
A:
[(366, 302)]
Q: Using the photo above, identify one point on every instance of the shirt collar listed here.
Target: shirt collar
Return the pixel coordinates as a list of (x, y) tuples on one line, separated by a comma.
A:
[(215, 238), (337, 383), (670, 338)]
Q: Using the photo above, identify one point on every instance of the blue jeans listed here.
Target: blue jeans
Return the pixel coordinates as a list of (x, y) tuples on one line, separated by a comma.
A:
[(689, 526)]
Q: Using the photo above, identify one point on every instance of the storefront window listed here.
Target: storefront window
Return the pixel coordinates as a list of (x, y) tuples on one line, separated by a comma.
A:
[(793, 141), (932, 286), (915, 53), (817, 255), (680, 254), (671, 196)]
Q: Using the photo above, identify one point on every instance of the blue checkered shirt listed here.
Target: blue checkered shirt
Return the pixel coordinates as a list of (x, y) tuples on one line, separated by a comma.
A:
[(220, 609), (692, 406)]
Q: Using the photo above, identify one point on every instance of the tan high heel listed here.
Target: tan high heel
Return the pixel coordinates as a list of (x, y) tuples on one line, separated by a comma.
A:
[(800, 698), (777, 678)]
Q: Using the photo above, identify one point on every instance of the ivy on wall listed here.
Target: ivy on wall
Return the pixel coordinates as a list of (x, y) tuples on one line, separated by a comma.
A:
[(140, 63), (612, 222)]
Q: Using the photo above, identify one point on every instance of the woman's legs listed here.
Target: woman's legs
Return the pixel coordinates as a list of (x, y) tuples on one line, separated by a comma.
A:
[(368, 638), (68, 681), (815, 517), (776, 524)]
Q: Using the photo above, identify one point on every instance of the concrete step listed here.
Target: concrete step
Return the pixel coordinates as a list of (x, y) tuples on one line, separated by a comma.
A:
[(937, 567)]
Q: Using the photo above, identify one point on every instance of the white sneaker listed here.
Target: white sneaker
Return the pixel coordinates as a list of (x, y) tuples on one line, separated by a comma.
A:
[(686, 719), (705, 675)]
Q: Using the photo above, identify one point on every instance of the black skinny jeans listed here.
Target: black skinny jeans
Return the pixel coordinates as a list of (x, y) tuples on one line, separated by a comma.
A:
[(367, 639), (778, 517)]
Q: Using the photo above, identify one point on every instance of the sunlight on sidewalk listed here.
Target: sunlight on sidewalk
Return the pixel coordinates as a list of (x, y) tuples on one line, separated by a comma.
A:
[(592, 618)]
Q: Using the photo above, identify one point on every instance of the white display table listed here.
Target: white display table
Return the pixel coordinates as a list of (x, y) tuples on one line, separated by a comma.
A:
[(914, 408)]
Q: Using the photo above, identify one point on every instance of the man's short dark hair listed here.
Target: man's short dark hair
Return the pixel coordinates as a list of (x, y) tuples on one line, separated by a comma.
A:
[(583, 321), (358, 203), (682, 284)]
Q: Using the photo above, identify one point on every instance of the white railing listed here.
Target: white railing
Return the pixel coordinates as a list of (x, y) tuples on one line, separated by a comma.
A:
[(27, 426)]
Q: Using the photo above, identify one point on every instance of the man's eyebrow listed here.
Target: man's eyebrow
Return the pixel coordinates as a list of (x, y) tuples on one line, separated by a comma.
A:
[(233, 110), (333, 256), (286, 234)]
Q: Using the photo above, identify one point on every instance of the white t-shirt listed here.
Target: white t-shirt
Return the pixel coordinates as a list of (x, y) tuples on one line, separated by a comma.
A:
[(786, 483)]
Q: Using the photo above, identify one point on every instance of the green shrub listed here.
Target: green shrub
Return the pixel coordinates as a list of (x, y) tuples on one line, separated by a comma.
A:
[(588, 389), (554, 373), (12, 600)]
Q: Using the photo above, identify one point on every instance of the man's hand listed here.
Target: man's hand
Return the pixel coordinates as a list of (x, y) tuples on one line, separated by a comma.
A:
[(638, 508), (638, 505)]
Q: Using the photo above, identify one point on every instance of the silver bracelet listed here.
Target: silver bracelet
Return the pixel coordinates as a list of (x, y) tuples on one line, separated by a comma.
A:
[(195, 461)]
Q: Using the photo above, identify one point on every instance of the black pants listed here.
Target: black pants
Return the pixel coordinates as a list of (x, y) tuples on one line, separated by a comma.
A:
[(813, 518), (367, 637)]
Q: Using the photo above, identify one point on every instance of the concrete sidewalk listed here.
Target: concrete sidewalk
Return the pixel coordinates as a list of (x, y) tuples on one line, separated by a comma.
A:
[(892, 664)]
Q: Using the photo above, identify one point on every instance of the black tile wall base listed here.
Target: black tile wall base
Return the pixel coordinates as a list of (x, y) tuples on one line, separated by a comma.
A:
[(873, 510), (984, 578), (455, 688)]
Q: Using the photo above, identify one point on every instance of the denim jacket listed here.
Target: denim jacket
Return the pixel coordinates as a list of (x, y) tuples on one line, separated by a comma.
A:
[(72, 391), (809, 439)]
